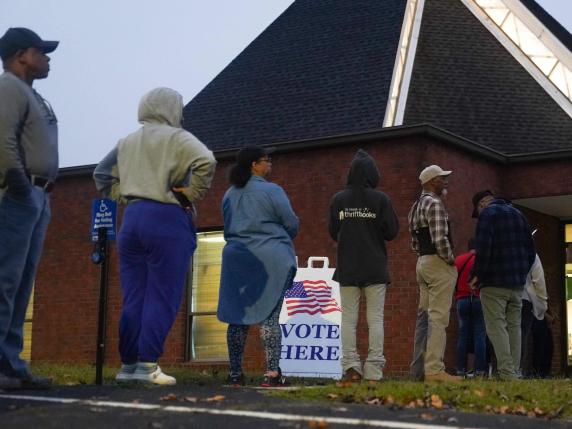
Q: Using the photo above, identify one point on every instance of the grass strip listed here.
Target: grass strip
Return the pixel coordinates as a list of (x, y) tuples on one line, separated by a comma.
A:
[(533, 398), (72, 374)]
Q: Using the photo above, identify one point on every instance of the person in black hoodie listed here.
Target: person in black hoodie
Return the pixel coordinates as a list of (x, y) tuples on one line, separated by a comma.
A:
[(361, 220)]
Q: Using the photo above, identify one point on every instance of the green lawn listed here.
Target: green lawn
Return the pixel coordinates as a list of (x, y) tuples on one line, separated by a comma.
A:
[(70, 375), (535, 398)]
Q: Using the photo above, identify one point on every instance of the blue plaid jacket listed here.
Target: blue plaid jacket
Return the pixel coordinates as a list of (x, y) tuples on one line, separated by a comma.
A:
[(504, 246)]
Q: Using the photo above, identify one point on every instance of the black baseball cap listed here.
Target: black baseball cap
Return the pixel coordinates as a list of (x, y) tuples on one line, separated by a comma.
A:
[(477, 199), (249, 154), (17, 38)]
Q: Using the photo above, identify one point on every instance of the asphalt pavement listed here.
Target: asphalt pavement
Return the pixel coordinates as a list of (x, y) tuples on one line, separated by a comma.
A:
[(219, 407)]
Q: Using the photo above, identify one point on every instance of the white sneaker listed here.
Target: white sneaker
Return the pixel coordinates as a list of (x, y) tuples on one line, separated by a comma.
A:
[(126, 373), (142, 373)]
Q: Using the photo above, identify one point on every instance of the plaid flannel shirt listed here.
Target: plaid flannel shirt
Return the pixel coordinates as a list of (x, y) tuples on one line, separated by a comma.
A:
[(429, 211), (504, 246)]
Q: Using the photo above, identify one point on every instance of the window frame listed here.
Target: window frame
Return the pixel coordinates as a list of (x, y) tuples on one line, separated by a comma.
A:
[(190, 314)]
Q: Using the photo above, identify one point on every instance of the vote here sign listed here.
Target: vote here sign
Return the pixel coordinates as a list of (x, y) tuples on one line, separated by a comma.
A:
[(311, 323)]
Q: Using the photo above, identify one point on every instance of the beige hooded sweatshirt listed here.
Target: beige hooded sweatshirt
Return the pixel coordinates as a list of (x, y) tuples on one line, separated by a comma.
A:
[(149, 162)]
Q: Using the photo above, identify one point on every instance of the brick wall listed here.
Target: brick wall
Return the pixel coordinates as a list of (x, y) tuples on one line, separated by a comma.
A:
[(529, 179), (65, 313)]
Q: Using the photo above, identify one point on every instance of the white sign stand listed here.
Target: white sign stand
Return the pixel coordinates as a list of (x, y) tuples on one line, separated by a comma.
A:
[(311, 320)]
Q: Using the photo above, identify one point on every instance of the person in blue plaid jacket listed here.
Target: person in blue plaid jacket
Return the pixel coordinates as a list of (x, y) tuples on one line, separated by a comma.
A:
[(504, 255)]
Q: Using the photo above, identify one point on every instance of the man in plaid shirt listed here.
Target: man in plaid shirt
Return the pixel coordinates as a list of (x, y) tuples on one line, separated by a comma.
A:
[(436, 275), (504, 255)]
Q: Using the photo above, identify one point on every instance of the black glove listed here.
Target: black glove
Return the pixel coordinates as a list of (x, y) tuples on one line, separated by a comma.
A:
[(17, 183)]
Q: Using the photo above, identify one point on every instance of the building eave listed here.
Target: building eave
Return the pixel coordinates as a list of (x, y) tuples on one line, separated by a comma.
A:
[(382, 134), (540, 156)]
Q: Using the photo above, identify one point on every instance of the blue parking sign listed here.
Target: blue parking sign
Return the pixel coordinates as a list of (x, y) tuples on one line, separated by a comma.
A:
[(104, 215)]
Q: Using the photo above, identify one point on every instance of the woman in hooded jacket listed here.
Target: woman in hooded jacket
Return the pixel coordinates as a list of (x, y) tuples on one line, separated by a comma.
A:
[(159, 171), (258, 261)]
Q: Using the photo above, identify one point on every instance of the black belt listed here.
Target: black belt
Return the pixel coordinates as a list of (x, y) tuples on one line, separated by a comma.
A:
[(45, 184)]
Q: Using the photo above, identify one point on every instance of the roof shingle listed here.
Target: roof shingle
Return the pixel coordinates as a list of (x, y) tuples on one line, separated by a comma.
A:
[(322, 68)]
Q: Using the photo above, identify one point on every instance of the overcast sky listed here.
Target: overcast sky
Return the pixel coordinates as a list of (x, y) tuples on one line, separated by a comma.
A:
[(113, 51)]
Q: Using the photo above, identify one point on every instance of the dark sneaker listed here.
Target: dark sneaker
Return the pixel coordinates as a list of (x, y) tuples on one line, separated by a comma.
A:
[(352, 376), (277, 381), (236, 380), (34, 382), (9, 383)]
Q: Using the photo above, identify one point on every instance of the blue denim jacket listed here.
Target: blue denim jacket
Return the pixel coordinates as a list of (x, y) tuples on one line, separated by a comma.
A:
[(258, 260)]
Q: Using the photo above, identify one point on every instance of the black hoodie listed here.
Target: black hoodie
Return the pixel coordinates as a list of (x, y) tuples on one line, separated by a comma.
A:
[(362, 219)]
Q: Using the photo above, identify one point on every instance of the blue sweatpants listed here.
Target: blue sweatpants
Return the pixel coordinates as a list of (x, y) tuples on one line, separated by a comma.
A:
[(155, 244)]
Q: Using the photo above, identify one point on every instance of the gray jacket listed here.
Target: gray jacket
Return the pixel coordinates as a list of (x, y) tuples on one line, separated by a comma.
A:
[(28, 130), (149, 162)]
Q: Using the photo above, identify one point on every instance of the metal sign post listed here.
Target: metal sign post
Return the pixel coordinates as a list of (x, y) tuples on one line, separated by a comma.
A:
[(99, 256), (104, 214)]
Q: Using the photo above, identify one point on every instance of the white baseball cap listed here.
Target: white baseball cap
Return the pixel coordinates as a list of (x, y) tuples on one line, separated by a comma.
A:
[(431, 172)]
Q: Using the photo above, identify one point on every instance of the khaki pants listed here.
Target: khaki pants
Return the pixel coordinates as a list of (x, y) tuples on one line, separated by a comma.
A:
[(375, 301), (501, 310), (436, 281)]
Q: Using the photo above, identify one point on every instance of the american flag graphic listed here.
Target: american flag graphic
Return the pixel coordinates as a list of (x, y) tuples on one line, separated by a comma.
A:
[(311, 297)]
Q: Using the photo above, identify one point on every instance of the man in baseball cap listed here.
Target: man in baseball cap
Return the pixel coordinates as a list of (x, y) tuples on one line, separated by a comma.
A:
[(429, 173), (504, 256), (17, 38), (479, 201), (28, 169), (436, 275)]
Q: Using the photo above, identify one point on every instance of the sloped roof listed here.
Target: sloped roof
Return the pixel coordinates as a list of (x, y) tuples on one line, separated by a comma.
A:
[(322, 68), (466, 82)]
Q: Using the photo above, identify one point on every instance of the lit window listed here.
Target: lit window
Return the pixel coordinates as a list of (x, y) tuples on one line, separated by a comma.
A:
[(530, 44), (568, 286), (568, 233), (207, 334), (27, 350)]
